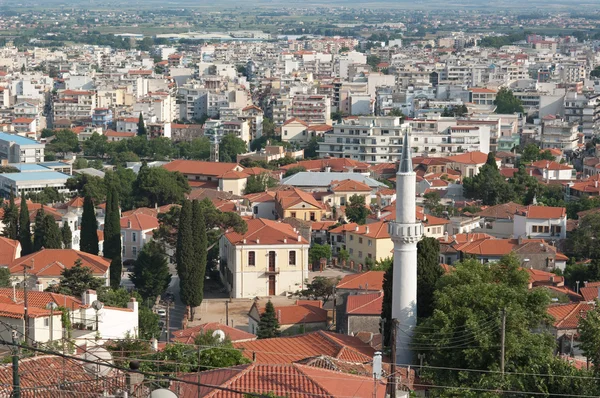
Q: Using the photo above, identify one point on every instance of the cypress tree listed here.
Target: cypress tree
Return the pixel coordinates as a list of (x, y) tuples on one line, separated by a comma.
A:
[(52, 237), (11, 219), (195, 283), (184, 255), (268, 326), (112, 236), (141, 127), (38, 230), (66, 235), (428, 274), (89, 227), (25, 228), (386, 306)]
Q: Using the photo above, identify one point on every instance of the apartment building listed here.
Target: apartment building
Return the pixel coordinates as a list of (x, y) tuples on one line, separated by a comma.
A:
[(74, 105), (17, 149), (558, 133), (366, 139), (313, 109), (583, 110)]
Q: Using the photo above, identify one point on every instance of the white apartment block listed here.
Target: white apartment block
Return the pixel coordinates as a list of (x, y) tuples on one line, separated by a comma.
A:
[(559, 134), (17, 149), (74, 105)]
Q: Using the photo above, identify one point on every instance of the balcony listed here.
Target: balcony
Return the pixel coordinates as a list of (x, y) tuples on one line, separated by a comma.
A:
[(272, 271)]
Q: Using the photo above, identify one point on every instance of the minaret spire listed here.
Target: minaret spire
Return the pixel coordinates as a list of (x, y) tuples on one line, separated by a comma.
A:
[(405, 232)]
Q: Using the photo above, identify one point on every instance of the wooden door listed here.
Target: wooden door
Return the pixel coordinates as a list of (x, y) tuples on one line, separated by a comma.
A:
[(271, 285), (272, 261)]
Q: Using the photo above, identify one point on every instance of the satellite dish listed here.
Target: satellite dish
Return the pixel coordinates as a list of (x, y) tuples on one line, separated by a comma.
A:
[(51, 305), (219, 334), (101, 356), (97, 305), (162, 393)]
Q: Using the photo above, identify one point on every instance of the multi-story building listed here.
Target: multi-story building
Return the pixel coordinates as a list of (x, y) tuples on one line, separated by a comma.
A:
[(313, 109), (561, 134), (17, 149), (367, 139), (136, 231), (102, 117), (271, 258), (254, 116), (583, 110), (482, 96), (74, 105)]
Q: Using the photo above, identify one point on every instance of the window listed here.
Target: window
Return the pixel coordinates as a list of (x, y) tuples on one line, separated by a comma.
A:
[(124, 251), (133, 236), (359, 254), (312, 216), (370, 242), (255, 209), (351, 237), (46, 321), (359, 240), (134, 252), (252, 258), (351, 250), (292, 257), (293, 214)]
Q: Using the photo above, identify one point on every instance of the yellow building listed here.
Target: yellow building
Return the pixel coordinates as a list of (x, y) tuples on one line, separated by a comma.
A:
[(298, 204), (342, 191), (370, 241), (271, 258)]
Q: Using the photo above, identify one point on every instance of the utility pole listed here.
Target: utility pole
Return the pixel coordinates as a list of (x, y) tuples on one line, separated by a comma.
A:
[(167, 323), (502, 339), (15, 363), (393, 365), (226, 312), (25, 301)]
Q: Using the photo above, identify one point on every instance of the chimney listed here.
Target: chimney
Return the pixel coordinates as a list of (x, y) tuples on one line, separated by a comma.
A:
[(257, 241), (585, 283), (89, 296), (299, 238), (244, 241), (356, 228), (154, 344), (128, 223), (284, 240), (596, 184), (133, 305), (379, 214), (39, 287), (366, 230), (377, 365)]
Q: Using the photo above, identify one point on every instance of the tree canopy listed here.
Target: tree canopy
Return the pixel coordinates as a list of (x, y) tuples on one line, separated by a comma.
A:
[(151, 275), (76, 280), (320, 288), (231, 146), (356, 210), (260, 183), (268, 326), (507, 103), (159, 186)]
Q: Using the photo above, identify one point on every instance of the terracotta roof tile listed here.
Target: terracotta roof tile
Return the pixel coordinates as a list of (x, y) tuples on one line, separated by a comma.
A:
[(349, 186), (187, 336), (304, 311), (139, 222), (367, 281), (197, 167), (365, 304), (566, 316), (543, 212), (50, 262), (266, 232), (474, 157), (9, 250)]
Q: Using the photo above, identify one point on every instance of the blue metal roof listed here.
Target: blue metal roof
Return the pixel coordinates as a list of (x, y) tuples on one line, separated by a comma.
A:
[(54, 164), (29, 167), (36, 175), (17, 139)]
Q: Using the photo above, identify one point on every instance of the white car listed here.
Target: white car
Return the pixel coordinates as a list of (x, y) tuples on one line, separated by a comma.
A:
[(161, 313)]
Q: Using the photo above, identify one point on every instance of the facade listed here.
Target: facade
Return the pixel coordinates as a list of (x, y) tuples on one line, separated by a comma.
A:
[(363, 313), (369, 243), (270, 259), (17, 149), (302, 317), (559, 134), (32, 182), (541, 222), (296, 203), (74, 105), (313, 109), (136, 231), (102, 117)]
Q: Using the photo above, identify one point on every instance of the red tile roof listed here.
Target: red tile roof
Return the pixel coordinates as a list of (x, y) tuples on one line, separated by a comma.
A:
[(475, 157), (304, 311), (139, 222), (9, 249), (187, 336), (295, 120), (289, 380), (349, 186), (197, 167), (543, 212), (365, 304), (41, 299), (266, 232), (501, 211), (566, 316), (366, 281), (50, 262), (282, 350), (291, 197), (17, 311), (336, 164)]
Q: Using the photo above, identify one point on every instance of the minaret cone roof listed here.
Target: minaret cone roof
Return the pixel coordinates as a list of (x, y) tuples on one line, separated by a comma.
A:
[(406, 160)]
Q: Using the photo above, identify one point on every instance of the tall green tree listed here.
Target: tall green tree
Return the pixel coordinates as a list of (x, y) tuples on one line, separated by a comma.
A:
[(507, 103), (185, 251), (231, 146), (66, 235), (76, 280), (428, 274), (64, 141), (158, 186), (46, 233), (141, 126), (89, 228), (259, 183), (151, 275), (488, 185), (582, 243), (25, 228), (195, 274), (464, 332), (356, 210), (589, 336), (11, 219), (386, 305), (112, 234), (268, 325)]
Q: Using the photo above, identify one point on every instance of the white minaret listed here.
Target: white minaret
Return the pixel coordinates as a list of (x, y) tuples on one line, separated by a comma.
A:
[(406, 231)]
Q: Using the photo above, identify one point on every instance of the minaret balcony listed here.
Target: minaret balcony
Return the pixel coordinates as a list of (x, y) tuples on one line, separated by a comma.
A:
[(405, 232)]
